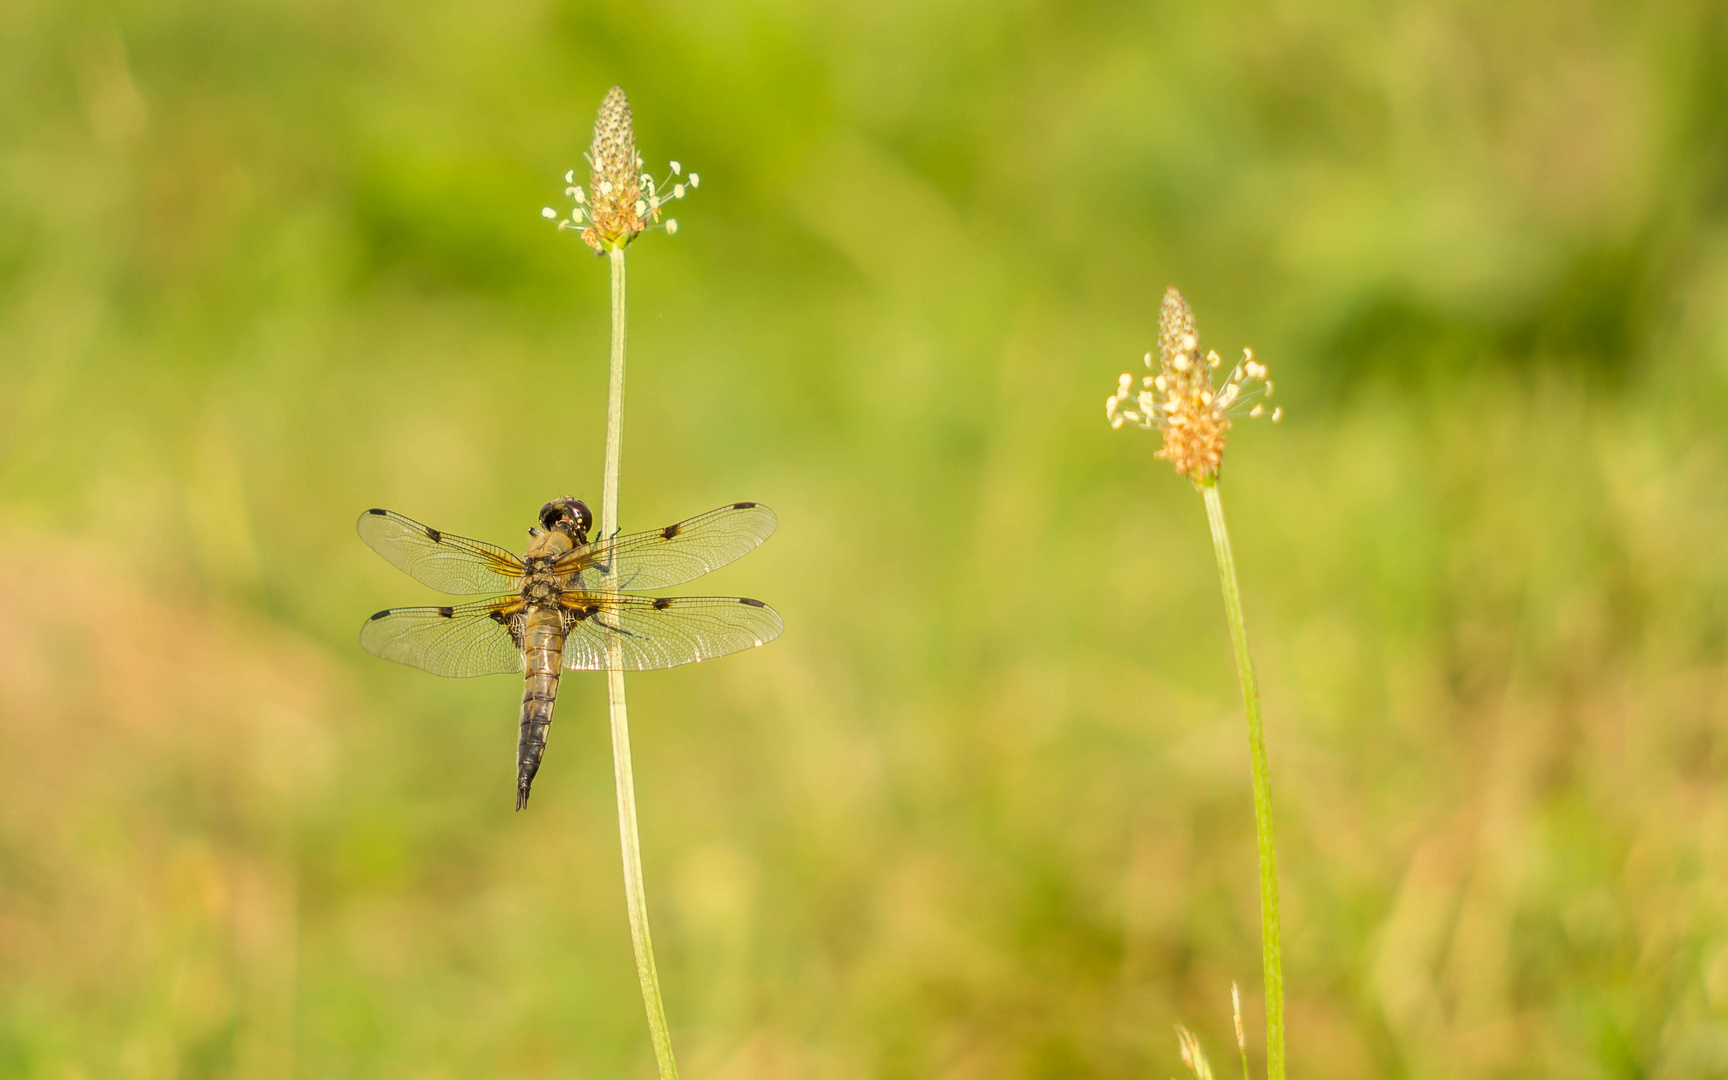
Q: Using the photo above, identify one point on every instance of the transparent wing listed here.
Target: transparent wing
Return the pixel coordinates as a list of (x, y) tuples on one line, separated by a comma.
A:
[(482, 638), (445, 561), (662, 558), (663, 632)]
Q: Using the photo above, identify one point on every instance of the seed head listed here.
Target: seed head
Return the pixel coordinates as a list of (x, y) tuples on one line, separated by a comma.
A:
[(621, 201), (1192, 1055), (1236, 1008), (1181, 399)]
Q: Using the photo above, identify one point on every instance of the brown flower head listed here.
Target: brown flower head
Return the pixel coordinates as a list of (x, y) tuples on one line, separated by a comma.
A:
[(1181, 400), (622, 201)]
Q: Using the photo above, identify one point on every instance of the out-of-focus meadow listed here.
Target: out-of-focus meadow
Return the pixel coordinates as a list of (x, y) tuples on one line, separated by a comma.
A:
[(983, 811)]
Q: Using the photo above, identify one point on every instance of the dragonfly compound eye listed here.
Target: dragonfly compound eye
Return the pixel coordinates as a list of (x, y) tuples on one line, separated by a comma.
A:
[(568, 515)]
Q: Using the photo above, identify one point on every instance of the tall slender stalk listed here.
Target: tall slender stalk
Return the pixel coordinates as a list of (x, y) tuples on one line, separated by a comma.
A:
[(629, 842), (1191, 400), (1272, 950)]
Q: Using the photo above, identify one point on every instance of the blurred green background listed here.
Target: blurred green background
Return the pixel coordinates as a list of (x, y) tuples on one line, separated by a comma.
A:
[(983, 811)]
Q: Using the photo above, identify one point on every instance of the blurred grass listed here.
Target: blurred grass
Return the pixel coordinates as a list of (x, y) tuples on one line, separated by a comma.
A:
[(983, 811)]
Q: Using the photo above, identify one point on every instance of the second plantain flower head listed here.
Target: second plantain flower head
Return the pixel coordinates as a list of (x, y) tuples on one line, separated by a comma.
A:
[(621, 201), (1180, 399)]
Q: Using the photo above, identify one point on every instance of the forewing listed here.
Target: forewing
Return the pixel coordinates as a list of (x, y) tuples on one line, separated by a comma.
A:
[(482, 638), (663, 632), (662, 558), (445, 561)]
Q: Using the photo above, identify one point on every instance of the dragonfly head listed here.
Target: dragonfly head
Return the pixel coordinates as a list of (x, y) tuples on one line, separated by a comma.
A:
[(570, 516)]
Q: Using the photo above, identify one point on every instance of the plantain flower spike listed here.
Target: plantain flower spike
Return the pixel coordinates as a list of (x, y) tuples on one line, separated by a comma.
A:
[(621, 201), (1182, 398)]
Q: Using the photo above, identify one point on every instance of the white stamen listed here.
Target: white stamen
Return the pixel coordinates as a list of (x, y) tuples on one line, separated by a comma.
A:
[(671, 226), (570, 177), (695, 181), (548, 213), (676, 168)]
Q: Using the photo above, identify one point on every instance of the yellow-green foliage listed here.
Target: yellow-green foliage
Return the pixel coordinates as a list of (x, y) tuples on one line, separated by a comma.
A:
[(983, 811)]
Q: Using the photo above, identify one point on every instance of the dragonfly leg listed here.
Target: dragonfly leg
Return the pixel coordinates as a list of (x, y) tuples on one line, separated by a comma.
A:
[(604, 625)]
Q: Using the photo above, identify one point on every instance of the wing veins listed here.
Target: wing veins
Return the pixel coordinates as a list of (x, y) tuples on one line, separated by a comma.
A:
[(661, 633), (669, 556), (444, 561), (480, 638)]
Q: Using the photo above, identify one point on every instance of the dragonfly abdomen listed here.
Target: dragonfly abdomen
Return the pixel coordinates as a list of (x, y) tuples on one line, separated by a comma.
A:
[(543, 649)]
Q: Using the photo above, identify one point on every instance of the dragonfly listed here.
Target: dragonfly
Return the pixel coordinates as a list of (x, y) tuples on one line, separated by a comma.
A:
[(567, 604)]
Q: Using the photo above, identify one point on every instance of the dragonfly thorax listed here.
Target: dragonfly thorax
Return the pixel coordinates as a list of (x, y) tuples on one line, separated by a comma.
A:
[(541, 589), (547, 547)]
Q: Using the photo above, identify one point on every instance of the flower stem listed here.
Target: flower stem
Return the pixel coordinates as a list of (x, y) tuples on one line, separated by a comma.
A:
[(1272, 951), (634, 898)]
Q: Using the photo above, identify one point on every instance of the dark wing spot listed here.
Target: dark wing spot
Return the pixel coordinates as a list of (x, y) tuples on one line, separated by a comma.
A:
[(742, 506), (668, 532), (434, 535), (504, 620), (380, 615), (446, 612), (662, 603), (377, 511), (752, 603)]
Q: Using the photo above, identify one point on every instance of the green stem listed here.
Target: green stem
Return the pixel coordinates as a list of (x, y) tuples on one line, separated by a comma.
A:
[(635, 899), (1272, 951)]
